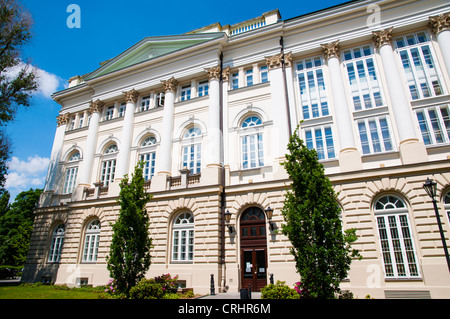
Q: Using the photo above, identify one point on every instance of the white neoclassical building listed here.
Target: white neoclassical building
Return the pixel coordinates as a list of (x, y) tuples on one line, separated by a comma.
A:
[(211, 111)]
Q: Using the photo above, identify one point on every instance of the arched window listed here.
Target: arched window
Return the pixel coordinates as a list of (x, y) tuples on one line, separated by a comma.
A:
[(447, 204), (148, 155), (71, 172), (91, 241), (252, 142), (109, 164), (396, 241), (192, 149), (183, 238), (57, 242)]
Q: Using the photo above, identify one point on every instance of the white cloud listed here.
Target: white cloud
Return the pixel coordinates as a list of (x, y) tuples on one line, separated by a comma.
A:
[(24, 175), (48, 83)]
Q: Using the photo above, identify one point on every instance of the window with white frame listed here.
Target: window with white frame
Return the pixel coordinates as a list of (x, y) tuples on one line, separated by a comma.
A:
[(145, 103), (122, 108), (148, 155), (91, 241), (109, 113), (185, 92), (313, 95), (363, 80), (72, 122), (192, 149), (434, 123), (71, 172), (447, 205), (249, 77), (159, 99), (234, 80), (320, 138), (252, 149), (183, 238), (397, 247), (264, 73), (203, 88), (419, 66), (81, 120), (56, 243), (109, 164), (375, 135)]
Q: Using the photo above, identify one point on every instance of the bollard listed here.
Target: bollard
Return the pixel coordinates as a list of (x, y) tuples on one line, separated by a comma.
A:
[(249, 291), (212, 285), (271, 279)]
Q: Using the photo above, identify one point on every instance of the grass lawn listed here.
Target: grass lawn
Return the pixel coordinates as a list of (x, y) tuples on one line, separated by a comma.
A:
[(33, 291)]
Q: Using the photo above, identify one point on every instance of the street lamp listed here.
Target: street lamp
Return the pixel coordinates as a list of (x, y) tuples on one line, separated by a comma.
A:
[(269, 213), (430, 187), (227, 221)]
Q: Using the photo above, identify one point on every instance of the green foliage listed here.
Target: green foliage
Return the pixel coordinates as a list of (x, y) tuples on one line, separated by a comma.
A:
[(321, 249), (279, 291), (147, 289), (16, 226), (129, 256)]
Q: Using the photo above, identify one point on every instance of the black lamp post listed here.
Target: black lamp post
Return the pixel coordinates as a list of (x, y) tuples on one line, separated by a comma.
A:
[(227, 221), (269, 213), (430, 187)]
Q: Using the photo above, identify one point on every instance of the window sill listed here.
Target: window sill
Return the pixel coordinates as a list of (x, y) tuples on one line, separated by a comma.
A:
[(403, 279)]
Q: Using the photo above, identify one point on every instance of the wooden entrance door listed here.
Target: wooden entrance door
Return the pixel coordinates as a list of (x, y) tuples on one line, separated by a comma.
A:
[(253, 249)]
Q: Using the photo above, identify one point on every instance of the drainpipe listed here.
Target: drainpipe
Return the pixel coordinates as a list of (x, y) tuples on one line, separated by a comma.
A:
[(285, 87)]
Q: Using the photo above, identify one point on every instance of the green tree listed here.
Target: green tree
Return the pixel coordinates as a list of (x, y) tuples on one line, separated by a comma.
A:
[(129, 256), (16, 225), (311, 211)]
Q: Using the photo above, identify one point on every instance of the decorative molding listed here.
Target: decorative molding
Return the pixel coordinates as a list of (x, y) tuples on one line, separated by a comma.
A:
[(226, 74), (213, 73), (382, 37), (63, 119), (96, 106), (276, 61), (170, 85), (439, 23), (331, 49), (131, 96)]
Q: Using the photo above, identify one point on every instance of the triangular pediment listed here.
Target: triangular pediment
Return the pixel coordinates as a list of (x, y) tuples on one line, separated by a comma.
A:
[(150, 48)]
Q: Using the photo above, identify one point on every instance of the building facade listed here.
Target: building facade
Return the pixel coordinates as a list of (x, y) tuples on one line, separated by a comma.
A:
[(211, 111)]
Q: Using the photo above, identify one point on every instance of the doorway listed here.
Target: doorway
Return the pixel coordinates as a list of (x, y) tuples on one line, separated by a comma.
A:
[(253, 249)]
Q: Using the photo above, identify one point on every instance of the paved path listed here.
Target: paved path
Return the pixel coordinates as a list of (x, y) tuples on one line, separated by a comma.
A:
[(230, 295)]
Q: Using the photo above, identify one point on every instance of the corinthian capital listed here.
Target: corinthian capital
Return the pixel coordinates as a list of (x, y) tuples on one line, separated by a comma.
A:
[(276, 61), (226, 74), (213, 73), (439, 23), (382, 37), (62, 119), (96, 106), (131, 96), (170, 85), (330, 50)]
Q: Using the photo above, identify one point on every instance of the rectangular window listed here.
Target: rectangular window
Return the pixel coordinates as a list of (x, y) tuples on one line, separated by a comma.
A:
[(185, 92), (91, 247), (122, 107), (81, 120), (235, 80), (72, 122), (321, 139), (108, 171), (264, 73), (252, 151), (375, 135), (364, 87), (159, 99), (434, 123), (149, 165), (420, 69), (55, 248), (109, 113), (192, 157), (249, 77), (183, 245), (313, 95), (203, 88), (145, 103), (71, 176), (397, 247)]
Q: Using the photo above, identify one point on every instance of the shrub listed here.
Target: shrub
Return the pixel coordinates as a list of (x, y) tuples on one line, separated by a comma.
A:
[(279, 291), (168, 283), (171, 296), (147, 289)]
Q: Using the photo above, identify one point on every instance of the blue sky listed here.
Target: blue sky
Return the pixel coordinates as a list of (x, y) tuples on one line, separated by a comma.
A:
[(107, 29)]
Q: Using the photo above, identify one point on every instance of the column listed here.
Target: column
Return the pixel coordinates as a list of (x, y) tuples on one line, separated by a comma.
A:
[(411, 149), (349, 155), (164, 155), (211, 174), (123, 158), (280, 132), (54, 174), (225, 124), (440, 26), (85, 170)]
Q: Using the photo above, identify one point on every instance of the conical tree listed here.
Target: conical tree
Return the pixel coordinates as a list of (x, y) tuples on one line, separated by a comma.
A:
[(311, 211), (129, 256)]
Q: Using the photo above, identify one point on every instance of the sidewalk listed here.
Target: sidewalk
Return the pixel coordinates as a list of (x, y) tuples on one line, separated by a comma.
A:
[(231, 295)]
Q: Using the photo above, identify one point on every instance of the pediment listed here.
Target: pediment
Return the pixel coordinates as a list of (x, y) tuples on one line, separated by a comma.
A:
[(151, 48)]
